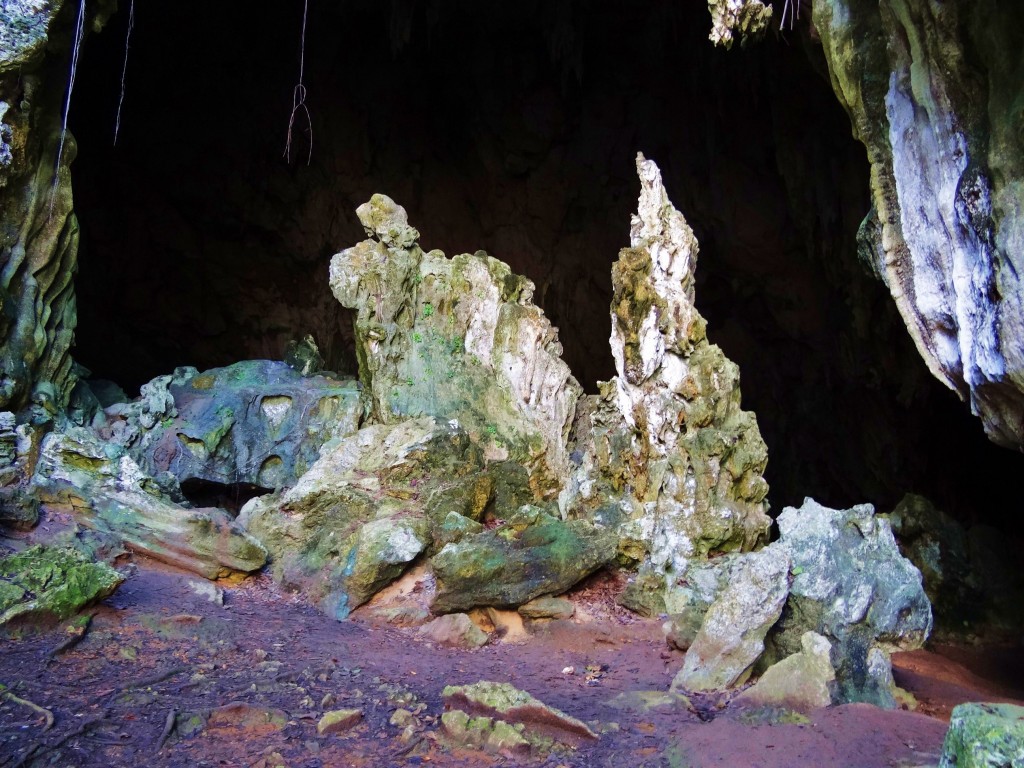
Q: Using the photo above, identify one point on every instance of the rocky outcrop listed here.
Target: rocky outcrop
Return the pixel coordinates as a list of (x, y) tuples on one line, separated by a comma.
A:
[(52, 584), (984, 735), (107, 491), (731, 637), (38, 229), (852, 586), (532, 554), (666, 455), (456, 338), (743, 19), (933, 92), (257, 422)]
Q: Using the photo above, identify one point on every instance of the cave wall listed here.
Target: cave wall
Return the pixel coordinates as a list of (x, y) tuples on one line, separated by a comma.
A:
[(511, 128), (935, 92)]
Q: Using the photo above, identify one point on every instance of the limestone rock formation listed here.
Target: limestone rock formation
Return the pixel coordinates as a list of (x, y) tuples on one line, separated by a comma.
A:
[(107, 491), (52, 583), (800, 682), (984, 735), (933, 92), (365, 510), (852, 586), (532, 554), (666, 455), (258, 422), (456, 338), (743, 19), (38, 229), (731, 638), (454, 629)]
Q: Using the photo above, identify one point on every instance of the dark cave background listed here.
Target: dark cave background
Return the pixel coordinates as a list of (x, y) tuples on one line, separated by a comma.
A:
[(510, 128)]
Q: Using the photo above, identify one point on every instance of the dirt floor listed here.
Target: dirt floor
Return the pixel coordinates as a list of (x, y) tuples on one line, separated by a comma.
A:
[(165, 676)]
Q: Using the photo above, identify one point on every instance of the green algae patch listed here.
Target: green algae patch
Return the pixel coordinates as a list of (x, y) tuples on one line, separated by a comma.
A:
[(52, 584), (480, 706)]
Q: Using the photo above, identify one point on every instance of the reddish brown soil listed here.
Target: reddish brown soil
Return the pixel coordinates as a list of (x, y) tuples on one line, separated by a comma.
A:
[(156, 647)]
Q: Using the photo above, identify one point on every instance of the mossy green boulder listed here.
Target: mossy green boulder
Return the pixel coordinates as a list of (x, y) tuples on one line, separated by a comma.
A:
[(529, 555), (984, 736), (52, 583)]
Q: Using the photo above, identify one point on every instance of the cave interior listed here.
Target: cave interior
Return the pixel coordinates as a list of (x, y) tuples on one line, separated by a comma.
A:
[(510, 128)]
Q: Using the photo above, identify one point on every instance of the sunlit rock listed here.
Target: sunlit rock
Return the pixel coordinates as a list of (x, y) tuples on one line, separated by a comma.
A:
[(800, 682), (852, 586), (666, 455), (456, 338)]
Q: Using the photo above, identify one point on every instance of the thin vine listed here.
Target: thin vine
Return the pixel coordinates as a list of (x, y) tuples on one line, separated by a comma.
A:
[(124, 71), (299, 96), (79, 34)]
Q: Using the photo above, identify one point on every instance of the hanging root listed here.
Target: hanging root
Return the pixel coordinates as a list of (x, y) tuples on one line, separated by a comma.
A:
[(47, 714), (169, 723), (124, 71), (79, 33), (792, 10), (299, 96)]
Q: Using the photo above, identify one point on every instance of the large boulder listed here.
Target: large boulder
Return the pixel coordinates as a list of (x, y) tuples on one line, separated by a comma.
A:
[(984, 736), (731, 638), (367, 508), (933, 91), (800, 682), (106, 490), (665, 453), (456, 338), (529, 555), (52, 584), (257, 422), (852, 586)]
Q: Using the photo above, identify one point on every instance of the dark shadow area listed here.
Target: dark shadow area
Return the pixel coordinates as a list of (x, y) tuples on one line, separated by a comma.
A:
[(512, 128), (228, 496)]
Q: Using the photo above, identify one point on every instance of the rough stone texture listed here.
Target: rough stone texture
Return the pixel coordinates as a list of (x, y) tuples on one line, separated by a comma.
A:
[(485, 733), (19, 508), (933, 92), (731, 638), (938, 546), (107, 491), (743, 19), (800, 682), (851, 585), (532, 554), (338, 721), (258, 422), (667, 456), (502, 701), (688, 599), (365, 510), (984, 736), (52, 583), (38, 229), (456, 338), (454, 629), (548, 608)]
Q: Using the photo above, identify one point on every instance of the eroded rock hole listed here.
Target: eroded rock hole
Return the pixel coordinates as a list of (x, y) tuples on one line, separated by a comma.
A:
[(229, 496), (511, 129)]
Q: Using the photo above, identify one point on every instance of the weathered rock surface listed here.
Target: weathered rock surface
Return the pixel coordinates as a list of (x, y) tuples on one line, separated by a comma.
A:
[(52, 583), (485, 733), (365, 510), (339, 721), (800, 682), (851, 585), (19, 508), (743, 19), (731, 638), (456, 338), (107, 491), (688, 599), (548, 608), (454, 629), (258, 422), (532, 554), (984, 736), (667, 456), (505, 702), (938, 546), (933, 92)]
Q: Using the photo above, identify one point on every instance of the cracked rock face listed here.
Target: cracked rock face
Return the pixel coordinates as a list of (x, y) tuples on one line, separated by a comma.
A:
[(933, 92)]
